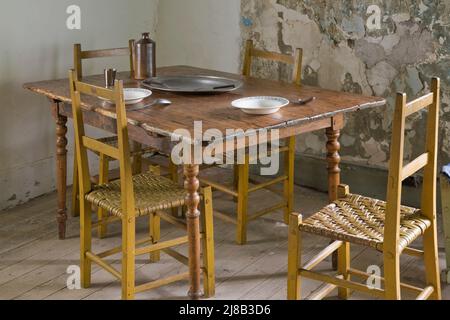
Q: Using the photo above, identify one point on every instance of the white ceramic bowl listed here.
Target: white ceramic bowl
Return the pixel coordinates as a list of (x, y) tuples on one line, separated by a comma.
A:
[(260, 105), (135, 95)]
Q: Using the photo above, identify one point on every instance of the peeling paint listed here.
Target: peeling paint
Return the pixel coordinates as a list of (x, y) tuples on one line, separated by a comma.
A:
[(340, 53)]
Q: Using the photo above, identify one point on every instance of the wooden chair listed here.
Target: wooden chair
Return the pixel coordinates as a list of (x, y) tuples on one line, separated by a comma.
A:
[(445, 198), (241, 188), (128, 198), (137, 151), (384, 226), (79, 56)]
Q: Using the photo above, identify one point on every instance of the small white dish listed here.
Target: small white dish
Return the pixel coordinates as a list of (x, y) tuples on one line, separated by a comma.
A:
[(260, 105), (135, 95)]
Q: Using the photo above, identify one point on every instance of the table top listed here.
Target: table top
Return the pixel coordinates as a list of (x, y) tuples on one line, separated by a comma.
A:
[(215, 111)]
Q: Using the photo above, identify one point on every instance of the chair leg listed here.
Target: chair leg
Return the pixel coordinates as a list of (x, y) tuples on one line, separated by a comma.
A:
[(294, 258), (102, 179), (392, 275), (75, 190), (289, 183), (343, 267), (208, 244), (85, 243), (155, 234), (173, 171), (235, 179), (431, 259), (128, 258), (243, 172)]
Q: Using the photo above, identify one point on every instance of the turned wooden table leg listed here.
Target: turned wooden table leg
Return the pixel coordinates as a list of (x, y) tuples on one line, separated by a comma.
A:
[(333, 159), (191, 185), (61, 168), (334, 172)]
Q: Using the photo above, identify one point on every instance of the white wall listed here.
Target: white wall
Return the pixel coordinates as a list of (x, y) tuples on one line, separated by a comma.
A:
[(203, 33), (36, 45)]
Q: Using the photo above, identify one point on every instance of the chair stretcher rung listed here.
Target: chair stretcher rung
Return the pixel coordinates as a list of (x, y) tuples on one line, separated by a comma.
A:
[(365, 276), (270, 152), (116, 250), (268, 184), (103, 264), (266, 211), (172, 220), (177, 256), (162, 282), (219, 187), (269, 188), (314, 262), (426, 293), (413, 252), (161, 246), (323, 291), (224, 217), (342, 283), (233, 156), (106, 220)]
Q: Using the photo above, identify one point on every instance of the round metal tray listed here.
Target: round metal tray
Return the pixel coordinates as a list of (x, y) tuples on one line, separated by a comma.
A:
[(193, 84)]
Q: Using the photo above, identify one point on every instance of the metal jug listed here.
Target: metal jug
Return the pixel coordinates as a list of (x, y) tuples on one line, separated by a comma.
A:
[(144, 57)]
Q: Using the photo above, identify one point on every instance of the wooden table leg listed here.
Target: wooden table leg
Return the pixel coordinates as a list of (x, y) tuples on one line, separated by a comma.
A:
[(61, 168), (191, 185), (334, 172), (333, 159)]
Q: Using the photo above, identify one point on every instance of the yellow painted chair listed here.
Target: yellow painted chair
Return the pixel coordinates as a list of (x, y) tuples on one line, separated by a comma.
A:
[(387, 226), (242, 188), (128, 198), (137, 153)]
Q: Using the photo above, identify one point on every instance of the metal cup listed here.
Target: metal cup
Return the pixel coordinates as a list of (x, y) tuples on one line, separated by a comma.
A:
[(110, 77)]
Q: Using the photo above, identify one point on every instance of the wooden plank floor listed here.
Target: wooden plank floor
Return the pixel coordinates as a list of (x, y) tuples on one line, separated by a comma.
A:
[(33, 263)]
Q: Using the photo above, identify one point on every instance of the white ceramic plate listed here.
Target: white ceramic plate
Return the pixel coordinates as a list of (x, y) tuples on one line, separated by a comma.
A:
[(260, 105), (135, 95)]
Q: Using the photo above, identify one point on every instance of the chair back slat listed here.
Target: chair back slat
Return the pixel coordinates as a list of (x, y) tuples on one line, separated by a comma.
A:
[(118, 52), (427, 161), (415, 166), (296, 60), (419, 104), (84, 143), (274, 56), (80, 55), (94, 91), (100, 147)]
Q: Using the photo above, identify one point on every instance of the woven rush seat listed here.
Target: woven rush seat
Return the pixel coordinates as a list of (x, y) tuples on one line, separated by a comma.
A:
[(360, 220), (152, 193)]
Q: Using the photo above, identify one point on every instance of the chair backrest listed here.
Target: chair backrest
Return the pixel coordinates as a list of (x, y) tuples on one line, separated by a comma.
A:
[(79, 56), (83, 142), (296, 60), (398, 172)]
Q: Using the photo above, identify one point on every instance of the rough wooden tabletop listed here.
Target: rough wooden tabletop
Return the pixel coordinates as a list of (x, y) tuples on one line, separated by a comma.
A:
[(215, 111)]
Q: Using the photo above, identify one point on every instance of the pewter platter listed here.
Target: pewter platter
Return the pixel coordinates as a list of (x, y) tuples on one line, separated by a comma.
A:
[(193, 84)]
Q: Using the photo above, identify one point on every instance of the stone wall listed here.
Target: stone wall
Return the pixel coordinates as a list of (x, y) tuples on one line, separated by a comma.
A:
[(345, 50)]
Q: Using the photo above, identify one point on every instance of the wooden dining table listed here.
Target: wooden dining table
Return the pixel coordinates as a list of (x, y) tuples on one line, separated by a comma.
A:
[(155, 127)]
